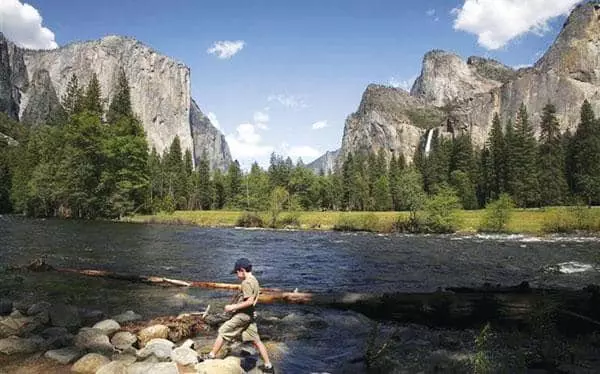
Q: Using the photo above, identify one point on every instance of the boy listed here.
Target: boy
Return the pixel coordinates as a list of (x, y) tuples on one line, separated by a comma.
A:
[(242, 322)]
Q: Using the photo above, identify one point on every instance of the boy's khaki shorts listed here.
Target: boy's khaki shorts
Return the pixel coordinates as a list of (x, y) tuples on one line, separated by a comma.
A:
[(240, 323)]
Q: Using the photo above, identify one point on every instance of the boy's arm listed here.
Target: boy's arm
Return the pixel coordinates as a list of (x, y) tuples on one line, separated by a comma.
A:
[(249, 299)]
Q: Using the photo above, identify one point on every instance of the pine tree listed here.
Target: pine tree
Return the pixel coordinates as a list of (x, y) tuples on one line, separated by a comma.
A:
[(235, 197), (551, 160), (509, 157), (72, 100), (120, 106), (586, 154), (92, 101), (497, 148), (258, 189), (204, 186), (155, 192), (525, 184)]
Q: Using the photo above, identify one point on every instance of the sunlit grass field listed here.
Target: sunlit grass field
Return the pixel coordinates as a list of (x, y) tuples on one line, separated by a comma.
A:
[(526, 221)]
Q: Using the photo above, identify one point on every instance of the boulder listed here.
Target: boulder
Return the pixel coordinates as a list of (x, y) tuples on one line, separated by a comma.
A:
[(64, 355), (62, 315), (93, 340), (140, 368), (184, 356), (188, 344), (123, 340), (52, 332), (126, 358), (14, 345), (90, 363), (152, 332), (6, 307), (108, 326), (160, 348), (17, 326), (115, 367), (16, 314), (37, 308), (89, 317), (61, 341), (229, 365), (128, 316), (164, 368)]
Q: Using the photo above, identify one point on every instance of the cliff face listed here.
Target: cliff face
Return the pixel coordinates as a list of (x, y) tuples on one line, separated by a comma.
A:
[(325, 163), (465, 95), (388, 118), (446, 77), (208, 141), (160, 87)]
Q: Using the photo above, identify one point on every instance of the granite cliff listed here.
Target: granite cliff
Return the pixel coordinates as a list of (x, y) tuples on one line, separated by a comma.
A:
[(31, 83), (453, 95)]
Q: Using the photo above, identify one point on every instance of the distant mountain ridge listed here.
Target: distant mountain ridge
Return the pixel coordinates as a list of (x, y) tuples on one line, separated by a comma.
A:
[(453, 95), (32, 83)]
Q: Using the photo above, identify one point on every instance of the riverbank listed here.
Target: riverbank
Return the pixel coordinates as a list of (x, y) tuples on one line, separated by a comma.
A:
[(522, 221)]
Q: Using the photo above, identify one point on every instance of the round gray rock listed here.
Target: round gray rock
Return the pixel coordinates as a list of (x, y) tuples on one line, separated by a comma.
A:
[(115, 367), (89, 363), (184, 356), (14, 345), (164, 368), (123, 340), (160, 348), (64, 355), (109, 326), (93, 340), (128, 316)]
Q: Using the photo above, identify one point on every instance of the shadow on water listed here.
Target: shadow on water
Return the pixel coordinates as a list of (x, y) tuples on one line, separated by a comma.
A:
[(314, 339)]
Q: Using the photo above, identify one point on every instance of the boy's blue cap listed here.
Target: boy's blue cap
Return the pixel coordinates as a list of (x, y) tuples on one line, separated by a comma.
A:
[(241, 263)]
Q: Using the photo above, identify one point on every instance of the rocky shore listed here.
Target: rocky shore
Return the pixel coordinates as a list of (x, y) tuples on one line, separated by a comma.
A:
[(62, 338)]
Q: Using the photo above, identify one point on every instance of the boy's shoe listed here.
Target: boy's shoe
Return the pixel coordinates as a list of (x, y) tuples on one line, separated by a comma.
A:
[(205, 356), (269, 370)]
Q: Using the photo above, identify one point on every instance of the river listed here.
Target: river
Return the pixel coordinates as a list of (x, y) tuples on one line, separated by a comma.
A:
[(317, 340)]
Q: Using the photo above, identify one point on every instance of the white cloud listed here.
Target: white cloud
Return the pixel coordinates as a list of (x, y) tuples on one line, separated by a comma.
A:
[(319, 125), (22, 24), (261, 119), (245, 143), (496, 22), (226, 49), (430, 12), (405, 84), (288, 101), (304, 152), (213, 119)]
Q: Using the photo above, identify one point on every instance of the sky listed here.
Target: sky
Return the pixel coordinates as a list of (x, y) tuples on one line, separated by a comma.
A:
[(282, 76)]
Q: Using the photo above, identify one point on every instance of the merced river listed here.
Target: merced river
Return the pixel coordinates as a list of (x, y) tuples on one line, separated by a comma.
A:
[(316, 339)]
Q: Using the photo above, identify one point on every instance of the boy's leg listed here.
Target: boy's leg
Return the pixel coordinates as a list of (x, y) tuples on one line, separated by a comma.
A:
[(228, 331), (216, 347), (251, 334)]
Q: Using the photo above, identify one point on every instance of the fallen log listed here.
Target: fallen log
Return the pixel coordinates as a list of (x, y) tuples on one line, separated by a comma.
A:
[(518, 305)]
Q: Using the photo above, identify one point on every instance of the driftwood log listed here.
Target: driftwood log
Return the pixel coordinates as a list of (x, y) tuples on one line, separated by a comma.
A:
[(513, 306)]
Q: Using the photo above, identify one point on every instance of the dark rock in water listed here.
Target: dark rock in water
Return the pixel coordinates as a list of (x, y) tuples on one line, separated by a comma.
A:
[(90, 317), (38, 308), (62, 315), (52, 332), (6, 307)]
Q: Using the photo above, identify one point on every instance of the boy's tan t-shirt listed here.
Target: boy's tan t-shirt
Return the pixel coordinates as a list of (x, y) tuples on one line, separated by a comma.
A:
[(249, 288)]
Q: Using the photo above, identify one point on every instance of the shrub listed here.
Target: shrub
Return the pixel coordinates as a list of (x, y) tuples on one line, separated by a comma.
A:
[(440, 211), (497, 214), (577, 218), (290, 219), (249, 219)]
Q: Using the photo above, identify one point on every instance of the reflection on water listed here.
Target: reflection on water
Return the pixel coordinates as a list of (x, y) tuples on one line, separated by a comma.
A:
[(309, 261)]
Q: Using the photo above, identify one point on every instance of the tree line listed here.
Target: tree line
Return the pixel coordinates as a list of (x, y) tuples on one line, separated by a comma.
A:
[(95, 164), (84, 163)]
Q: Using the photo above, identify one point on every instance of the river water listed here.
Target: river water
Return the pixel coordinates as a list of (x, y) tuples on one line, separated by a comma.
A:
[(316, 339)]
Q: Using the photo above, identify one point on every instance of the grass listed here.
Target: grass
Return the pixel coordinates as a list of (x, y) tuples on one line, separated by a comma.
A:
[(522, 221)]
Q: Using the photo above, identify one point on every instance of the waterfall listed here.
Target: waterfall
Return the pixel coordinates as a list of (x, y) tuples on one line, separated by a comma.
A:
[(428, 143)]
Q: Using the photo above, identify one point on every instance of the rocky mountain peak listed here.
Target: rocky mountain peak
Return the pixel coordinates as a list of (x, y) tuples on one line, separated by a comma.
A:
[(576, 51), (445, 76)]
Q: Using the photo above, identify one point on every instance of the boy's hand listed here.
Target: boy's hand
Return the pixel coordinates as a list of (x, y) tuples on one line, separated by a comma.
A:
[(229, 308)]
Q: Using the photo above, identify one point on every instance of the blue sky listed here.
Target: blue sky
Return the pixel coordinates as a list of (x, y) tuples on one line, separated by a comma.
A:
[(301, 63)]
